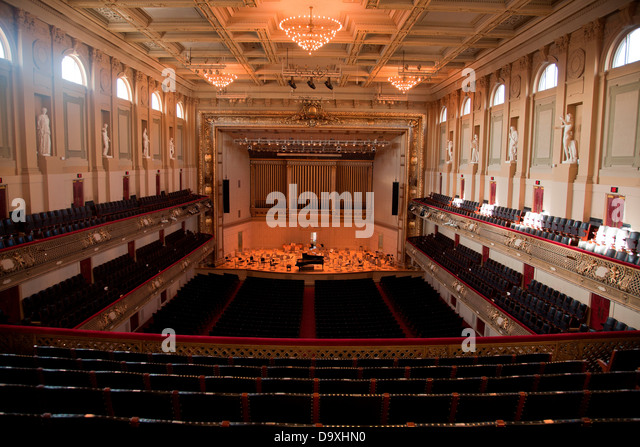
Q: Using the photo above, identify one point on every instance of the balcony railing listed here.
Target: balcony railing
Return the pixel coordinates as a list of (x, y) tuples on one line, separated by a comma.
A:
[(612, 279), (589, 346), (26, 261)]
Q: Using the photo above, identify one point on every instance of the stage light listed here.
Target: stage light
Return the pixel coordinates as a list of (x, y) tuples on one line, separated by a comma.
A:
[(291, 83), (311, 84), (328, 84)]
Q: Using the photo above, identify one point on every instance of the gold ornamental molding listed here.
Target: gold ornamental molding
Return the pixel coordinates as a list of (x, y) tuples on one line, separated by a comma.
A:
[(210, 172), (490, 314), (111, 317), (589, 346), (613, 280), (25, 262)]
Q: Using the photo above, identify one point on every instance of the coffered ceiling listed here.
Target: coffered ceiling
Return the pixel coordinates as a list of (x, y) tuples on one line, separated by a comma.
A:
[(437, 36)]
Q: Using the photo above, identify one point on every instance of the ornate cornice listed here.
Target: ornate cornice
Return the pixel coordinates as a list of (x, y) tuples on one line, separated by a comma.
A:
[(25, 20)]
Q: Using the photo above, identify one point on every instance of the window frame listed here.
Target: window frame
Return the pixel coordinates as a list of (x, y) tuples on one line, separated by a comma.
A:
[(156, 95), (128, 89), (615, 48), (79, 65), (541, 74), (466, 102), (499, 87)]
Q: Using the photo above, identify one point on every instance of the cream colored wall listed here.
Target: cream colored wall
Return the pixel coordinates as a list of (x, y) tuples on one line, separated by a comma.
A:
[(37, 48)]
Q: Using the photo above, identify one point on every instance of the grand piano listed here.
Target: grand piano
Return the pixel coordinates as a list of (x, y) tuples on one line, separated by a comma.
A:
[(309, 260)]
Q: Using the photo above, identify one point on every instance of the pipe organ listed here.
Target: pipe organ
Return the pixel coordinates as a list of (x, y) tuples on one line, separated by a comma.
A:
[(316, 176)]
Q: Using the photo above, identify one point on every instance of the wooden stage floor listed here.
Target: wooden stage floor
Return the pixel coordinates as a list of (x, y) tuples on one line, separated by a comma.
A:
[(338, 264)]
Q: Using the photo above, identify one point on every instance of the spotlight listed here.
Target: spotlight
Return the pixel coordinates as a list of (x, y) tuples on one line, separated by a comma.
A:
[(291, 83), (311, 84), (328, 84)]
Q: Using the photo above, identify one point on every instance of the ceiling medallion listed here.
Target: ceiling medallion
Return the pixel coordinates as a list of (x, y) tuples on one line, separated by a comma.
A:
[(310, 35), (220, 80)]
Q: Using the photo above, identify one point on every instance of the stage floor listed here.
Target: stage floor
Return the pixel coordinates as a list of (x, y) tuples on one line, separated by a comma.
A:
[(338, 264)]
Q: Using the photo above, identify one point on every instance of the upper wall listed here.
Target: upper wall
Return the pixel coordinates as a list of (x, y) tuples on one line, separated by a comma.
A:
[(41, 166), (604, 106)]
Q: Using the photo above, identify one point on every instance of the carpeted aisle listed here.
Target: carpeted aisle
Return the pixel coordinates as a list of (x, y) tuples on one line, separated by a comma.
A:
[(308, 323)]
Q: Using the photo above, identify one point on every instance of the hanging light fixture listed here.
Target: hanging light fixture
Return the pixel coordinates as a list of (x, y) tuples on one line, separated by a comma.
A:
[(220, 80), (402, 81), (310, 35)]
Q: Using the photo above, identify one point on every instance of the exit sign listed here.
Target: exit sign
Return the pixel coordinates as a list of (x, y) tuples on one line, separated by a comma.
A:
[(614, 189)]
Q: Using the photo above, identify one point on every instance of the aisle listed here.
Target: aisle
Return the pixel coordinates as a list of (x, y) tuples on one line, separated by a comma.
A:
[(308, 322)]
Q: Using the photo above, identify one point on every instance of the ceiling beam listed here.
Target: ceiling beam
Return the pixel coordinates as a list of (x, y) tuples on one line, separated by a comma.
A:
[(206, 8), (485, 7), (175, 37), (158, 3), (458, 31), (187, 25), (397, 39)]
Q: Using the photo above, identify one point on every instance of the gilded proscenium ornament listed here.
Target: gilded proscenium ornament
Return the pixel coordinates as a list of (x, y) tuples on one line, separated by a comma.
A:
[(519, 243), (96, 237)]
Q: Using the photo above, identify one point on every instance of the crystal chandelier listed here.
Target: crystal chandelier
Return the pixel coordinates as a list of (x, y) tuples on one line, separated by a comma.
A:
[(220, 80), (402, 81), (310, 35)]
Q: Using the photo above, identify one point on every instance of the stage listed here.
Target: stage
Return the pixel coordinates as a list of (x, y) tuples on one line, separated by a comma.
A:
[(338, 264)]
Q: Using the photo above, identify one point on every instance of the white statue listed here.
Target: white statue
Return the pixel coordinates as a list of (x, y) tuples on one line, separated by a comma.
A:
[(474, 149), (44, 134), (172, 149), (513, 144), (449, 151), (105, 141), (145, 144), (568, 143)]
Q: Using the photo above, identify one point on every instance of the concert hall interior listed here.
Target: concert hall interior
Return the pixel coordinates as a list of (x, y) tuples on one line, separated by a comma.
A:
[(400, 215)]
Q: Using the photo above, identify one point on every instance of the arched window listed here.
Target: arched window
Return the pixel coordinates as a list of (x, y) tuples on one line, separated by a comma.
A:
[(466, 106), (443, 115), (628, 50), (73, 71), (548, 77), (179, 111), (156, 102), (498, 96), (4, 46), (123, 91)]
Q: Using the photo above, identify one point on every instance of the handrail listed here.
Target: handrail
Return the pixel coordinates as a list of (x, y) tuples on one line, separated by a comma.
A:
[(589, 346)]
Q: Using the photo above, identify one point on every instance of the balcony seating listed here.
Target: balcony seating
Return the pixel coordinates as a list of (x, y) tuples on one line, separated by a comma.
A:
[(513, 389), (70, 302), (538, 307), (47, 224)]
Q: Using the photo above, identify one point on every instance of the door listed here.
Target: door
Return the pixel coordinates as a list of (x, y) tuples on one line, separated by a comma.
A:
[(538, 197), (527, 274), (492, 192), (125, 187), (462, 188), (599, 311), (78, 193)]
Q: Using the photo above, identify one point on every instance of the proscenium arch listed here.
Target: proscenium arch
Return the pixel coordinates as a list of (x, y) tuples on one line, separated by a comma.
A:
[(210, 171)]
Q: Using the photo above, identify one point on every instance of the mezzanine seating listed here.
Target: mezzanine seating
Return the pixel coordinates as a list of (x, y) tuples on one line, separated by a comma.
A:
[(72, 301)]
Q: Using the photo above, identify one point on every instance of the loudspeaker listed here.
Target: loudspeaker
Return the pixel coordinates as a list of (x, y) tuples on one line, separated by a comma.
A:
[(394, 198), (225, 195)]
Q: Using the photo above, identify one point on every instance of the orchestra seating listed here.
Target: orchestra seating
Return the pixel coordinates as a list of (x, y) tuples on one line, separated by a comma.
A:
[(353, 308), (263, 307), (72, 301), (195, 305), (85, 384), (539, 307), (421, 307), (38, 226)]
